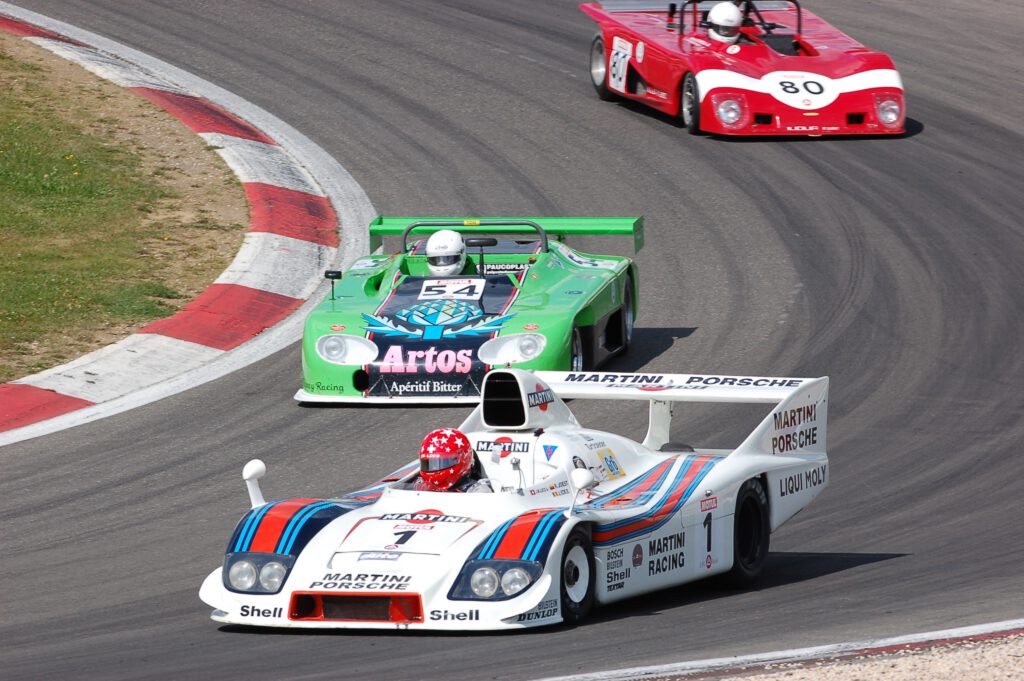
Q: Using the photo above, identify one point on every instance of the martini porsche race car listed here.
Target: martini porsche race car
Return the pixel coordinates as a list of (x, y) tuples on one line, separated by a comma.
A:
[(789, 72), (576, 517), (392, 330)]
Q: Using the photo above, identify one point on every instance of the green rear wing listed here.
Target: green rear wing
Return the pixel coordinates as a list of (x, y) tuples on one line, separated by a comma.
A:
[(559, 227)]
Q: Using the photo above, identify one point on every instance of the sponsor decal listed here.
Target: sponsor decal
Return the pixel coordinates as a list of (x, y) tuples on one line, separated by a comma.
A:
[(337, 327), (577, 462), (574, 293), (352, 581), (640, 52), (699, 41), (379, 555), (616, 579), (559, 489), (709, 504), (253, 611), (799, 419), (367, 263), (582, 260), (428, 516), (504, 444), (318, 387), (745, 380), (792, 484), (613, 559), (531, 327), (638, 555), (436, 320), (611, 464), (544, 610), (424, 386), (614, 378), (452, 289), (708, 562), (503, 267), (541, 398), (732, 49), (549, 451), (449, 616), (666, 553), (397, 360)]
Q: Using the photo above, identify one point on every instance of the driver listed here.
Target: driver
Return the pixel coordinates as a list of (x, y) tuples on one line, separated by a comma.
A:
[(724, 21), (446, 253), (448, 464)]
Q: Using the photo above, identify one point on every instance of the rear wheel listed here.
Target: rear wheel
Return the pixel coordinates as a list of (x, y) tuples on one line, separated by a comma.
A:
[(577, 579), (689, 106), (627, 315), (751, 534), (599, 70)]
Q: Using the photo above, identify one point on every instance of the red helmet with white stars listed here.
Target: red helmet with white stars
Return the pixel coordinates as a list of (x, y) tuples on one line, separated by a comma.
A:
[(445, 457)]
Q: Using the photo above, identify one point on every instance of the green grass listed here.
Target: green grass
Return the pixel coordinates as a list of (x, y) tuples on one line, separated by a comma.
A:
[(71, 227)]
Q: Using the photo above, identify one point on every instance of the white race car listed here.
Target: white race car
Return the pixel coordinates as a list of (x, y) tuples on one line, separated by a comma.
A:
[(577, 517)]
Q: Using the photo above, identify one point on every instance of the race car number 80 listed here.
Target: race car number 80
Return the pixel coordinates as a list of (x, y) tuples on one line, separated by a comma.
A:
[(618, 63), (801, 90)]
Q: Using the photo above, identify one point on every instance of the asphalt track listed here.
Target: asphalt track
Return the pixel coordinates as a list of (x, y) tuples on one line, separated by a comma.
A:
[(893, 266)]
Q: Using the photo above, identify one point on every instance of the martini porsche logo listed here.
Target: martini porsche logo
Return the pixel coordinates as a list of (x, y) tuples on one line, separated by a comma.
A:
[(541, 398), (436, 320)]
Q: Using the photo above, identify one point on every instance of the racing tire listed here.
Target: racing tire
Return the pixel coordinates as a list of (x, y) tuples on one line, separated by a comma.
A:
[(577, 360), (689, 104), (599, 70), (577, 577), (627, 315), (751, 536)]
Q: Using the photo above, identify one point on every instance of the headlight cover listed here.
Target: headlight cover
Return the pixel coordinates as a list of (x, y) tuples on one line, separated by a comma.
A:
[(889, 109), (256, 573), (341, 349), (494, 580), (512, 349), (731, 110)]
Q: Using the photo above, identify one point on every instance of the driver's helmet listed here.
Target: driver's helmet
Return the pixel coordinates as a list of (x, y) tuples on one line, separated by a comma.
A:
[(446, 253), (445, 458), (724, 21)]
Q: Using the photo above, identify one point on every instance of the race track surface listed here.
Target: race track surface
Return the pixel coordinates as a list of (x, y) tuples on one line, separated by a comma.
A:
[(894, 266)]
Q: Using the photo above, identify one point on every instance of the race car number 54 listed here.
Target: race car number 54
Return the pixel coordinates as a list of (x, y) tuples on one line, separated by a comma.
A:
[(452, 289), (618, 63)]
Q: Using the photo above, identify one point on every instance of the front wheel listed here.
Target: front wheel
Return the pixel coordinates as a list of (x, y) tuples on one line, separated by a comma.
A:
[(577, 579), (689, 105), (751, 534), (599, 70)]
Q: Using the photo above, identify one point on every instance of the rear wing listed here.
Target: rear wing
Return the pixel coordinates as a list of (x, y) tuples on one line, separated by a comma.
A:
[(560, 227), (797, 424)]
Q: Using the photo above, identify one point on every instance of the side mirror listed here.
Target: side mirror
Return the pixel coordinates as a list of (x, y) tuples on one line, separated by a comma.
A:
[(333, 275), (253, 471), (481, 242), (583, 478)]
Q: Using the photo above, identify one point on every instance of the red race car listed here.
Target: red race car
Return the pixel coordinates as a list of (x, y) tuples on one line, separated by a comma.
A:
[(744, 68)]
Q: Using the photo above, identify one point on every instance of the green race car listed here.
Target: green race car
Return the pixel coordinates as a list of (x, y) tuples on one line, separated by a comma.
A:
[(393, 330)]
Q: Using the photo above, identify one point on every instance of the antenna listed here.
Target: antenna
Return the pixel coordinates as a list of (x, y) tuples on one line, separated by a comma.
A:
[(333, 275)]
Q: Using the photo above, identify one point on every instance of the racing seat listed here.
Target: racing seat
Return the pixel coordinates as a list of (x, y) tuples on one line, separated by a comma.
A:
[(783, 43)]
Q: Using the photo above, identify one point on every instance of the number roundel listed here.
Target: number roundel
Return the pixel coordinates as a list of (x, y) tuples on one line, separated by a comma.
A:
[(801, 90)]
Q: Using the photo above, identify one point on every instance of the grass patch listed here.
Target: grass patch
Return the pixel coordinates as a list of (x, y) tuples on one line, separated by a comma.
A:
[(72, 222)]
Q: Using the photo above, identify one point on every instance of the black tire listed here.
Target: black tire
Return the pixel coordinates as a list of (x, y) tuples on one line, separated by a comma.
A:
[(576, 577), (751, 536), (689, 104), (577, 354), (627, 314), (599, 70)]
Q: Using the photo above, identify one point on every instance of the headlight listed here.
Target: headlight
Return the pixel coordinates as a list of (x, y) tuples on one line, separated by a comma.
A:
[(272, 576), (339, 349), (494, 580), (731, 110), (889, 110), (484, 582), (256, 573), (519, 347), (242, 575), (514, 581)]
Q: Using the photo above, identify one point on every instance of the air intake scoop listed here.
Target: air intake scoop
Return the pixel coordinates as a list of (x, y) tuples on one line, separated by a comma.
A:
[(514, 399)]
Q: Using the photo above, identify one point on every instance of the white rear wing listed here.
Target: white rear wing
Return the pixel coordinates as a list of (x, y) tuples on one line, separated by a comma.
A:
[(796, 425)]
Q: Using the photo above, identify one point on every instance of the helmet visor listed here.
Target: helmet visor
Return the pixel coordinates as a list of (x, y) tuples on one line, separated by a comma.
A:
[(442, 260), (726, 31), (432, 464)]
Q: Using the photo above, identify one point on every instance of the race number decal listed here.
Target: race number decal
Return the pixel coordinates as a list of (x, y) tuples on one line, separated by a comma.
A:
[(618, 64), (801, 90), (452, 289)]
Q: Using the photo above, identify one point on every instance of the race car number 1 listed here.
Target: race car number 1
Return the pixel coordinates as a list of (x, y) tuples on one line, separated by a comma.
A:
[(452, 289), (618, 63)]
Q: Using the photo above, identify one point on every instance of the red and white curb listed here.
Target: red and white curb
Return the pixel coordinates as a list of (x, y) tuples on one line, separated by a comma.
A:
[(298, 197), (748, 664)]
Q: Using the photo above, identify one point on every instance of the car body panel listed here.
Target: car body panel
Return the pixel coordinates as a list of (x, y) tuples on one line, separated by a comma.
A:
[(390, 556), (830, 87)]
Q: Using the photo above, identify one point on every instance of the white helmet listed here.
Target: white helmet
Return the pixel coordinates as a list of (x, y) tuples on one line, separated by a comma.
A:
[(724, 21), (446, 253)]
